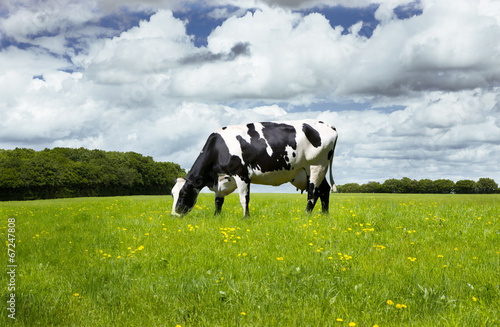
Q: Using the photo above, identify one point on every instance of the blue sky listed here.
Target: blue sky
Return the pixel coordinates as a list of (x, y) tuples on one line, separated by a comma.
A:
[(412, 86)]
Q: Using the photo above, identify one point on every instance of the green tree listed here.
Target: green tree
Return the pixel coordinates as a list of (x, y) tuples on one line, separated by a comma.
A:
[(65, 172), (444, 186), (349, 188), (371, 187), (408, 185), (393, 185), (465, 186), (486, 185), (425, 186)]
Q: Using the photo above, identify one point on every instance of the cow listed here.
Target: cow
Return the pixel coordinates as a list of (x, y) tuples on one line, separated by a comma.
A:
[(269, 153)]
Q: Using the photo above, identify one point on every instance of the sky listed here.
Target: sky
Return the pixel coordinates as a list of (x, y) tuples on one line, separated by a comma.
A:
[(413, 87)]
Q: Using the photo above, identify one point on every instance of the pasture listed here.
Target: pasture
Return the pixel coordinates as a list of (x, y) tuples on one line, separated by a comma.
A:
[(386, 260)]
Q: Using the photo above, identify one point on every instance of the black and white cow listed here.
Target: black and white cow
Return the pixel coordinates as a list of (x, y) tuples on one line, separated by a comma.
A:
[(271, 153)]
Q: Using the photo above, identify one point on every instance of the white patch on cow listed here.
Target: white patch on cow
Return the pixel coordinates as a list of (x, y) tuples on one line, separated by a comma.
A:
[(300, 180), (259, 129), (229, 135), (225, 185), (175, 193), (290, 152)]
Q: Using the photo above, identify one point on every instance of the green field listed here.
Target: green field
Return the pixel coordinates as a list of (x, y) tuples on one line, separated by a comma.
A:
[(386, 260)]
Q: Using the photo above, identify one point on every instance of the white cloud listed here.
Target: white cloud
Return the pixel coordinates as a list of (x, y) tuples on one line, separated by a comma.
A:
[(424, 53), (280, 65), (153, 47), (432, 103)]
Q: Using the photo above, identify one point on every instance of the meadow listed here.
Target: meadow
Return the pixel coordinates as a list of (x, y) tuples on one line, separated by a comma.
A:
[(375, 260)]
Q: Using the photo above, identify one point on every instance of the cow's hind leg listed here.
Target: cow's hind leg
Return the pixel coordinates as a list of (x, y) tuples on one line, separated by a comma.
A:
[(324, 195), (322, 192), (219, 201), (317, 188)]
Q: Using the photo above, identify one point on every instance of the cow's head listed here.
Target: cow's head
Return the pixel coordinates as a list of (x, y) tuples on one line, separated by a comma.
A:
[(185, 194)]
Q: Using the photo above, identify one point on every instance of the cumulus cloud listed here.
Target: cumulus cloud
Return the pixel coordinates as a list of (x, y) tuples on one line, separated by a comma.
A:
[(430, 99), (424, 53)]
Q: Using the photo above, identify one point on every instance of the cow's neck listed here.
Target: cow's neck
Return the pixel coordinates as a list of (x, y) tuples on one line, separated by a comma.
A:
[(202, 168), (198, 172)]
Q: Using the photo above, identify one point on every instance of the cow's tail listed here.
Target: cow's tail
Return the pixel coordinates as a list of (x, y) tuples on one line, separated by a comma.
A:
[(332, 182)]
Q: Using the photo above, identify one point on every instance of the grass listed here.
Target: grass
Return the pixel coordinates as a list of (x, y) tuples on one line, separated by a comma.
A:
[(386, 260)]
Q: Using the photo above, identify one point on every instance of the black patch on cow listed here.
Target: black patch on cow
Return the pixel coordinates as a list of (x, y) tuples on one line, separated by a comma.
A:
[(278, 136), (215, 159), (330, 154), (312, 135)]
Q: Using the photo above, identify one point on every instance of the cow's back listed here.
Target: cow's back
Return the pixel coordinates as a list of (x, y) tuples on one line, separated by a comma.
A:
[(275, 152)]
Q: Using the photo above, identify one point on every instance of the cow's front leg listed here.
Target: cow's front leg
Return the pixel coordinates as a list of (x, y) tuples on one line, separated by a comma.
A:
[(244, 190), (219, 201)]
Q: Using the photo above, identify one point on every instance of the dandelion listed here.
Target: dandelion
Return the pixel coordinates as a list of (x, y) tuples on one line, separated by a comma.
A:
[(440, 256), (243, 313), (280, 258), (474, 299), (76, 294), (352, 324), (389, 302), (340, 319)]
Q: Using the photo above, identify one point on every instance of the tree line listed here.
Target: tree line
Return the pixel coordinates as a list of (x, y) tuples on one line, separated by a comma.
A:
[(26, 174), (440, 186)]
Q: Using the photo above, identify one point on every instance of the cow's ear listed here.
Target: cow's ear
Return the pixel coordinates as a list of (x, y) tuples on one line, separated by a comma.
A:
[(198, 182)]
